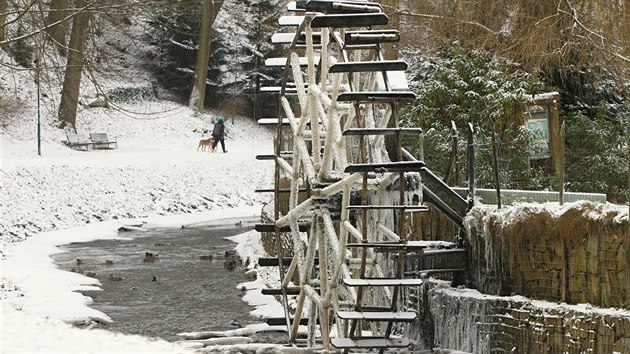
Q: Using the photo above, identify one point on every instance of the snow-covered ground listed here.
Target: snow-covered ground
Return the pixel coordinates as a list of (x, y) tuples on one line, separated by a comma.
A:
[(156, 175)]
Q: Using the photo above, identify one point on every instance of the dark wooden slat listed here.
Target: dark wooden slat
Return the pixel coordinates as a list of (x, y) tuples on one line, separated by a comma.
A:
[(443, 196), (273, 121), (376, 308), (443, 251), (382, 131), (272, 228), (368, 66), (377, 97), (368, 343), (390, 247), (290, 291), (273, 261), (273, 157), (386, 167), (349, 20), (353, 38), (293, 6), (287, 38), (394, 207), (281, 321), (283, 190), (378, 316), (382, 282)]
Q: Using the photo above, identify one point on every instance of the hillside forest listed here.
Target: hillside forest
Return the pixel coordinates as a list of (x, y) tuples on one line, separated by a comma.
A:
[(479, 63)]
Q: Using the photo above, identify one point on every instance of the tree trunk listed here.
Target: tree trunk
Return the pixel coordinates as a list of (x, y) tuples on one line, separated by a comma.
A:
[(203, 56), (3, 19), (57, 32), (74, 67)]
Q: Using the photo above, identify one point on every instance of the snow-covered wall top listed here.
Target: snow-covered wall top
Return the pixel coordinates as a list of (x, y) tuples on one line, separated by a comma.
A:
[(576, 253)]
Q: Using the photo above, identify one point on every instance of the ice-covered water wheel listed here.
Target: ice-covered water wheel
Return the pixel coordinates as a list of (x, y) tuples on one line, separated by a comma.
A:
[(339, 100)]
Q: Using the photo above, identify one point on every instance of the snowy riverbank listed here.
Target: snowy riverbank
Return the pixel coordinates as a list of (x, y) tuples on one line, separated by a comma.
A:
[(66, 196)]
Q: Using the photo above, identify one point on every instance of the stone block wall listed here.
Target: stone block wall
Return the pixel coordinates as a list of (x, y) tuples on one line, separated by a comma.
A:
[(543, 279), (466, 320), (579, 253)]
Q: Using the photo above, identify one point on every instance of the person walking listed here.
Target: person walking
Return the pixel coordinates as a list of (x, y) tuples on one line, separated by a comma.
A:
[(218, 135)]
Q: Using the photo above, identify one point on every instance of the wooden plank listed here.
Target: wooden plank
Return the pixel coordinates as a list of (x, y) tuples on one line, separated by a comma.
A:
[(281, 321), (296, 6), (349, 20), (382, 131), (389, 247), (287, 38), (281, 190), (393, 207), (273, 261), (368, 343), (290, 20), (378, 316), (443, 251), (377, 97), (273, 121), (343, 7), (368, 66), (443, 197), (382, 282), (386, 167), (371, 37), (289, 291), (273, 157), (281, 62), (288, 91), (272, 228)]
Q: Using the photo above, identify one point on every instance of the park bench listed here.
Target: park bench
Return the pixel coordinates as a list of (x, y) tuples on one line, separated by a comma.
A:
[(78, 142), (101, 141)]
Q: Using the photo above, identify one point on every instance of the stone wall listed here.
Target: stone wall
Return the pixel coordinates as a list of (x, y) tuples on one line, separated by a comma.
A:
[(575, 254), (548, 279), (464, 319)]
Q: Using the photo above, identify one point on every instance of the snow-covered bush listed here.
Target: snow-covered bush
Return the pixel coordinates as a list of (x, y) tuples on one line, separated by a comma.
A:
[(596, 154), (491, 94)]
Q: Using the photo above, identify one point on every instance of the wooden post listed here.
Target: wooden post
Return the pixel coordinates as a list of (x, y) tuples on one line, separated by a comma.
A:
[(471, 165), (560, 167), (555, 140), (495, 165), (628, 192)]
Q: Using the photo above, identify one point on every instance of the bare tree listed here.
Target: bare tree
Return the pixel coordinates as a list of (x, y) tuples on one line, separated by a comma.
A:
[(58, 27), (3, 19), (203, 55), (72, 78), (556, 35)]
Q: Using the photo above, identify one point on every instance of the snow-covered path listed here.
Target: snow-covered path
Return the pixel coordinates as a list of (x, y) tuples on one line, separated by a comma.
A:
[(155, 171)]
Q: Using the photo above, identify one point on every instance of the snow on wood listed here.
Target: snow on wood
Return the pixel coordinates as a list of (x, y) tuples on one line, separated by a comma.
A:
[(218, 334), (226, 341), (290, 20)]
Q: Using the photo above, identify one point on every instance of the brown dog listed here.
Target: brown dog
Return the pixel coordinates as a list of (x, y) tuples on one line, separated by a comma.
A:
[(205, 143)]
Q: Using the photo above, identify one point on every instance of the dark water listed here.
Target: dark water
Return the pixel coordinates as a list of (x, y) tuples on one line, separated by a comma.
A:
[(189, 294)]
